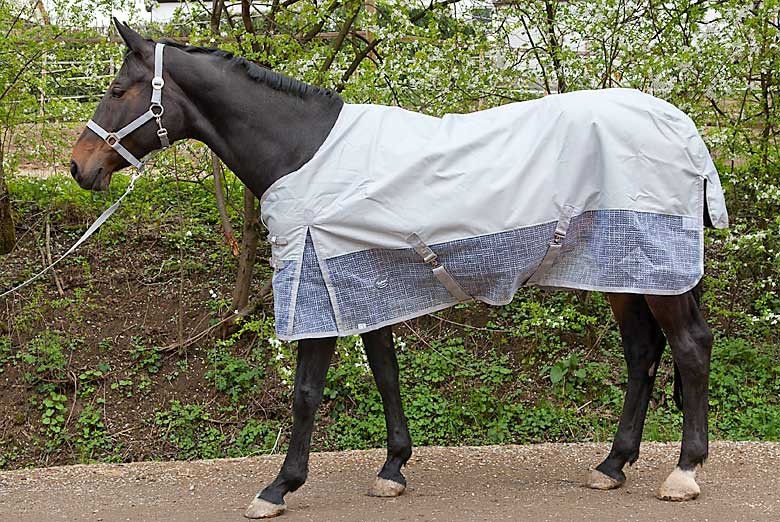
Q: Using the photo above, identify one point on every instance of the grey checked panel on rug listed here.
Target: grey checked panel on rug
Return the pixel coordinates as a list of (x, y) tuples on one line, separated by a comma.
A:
[(618, 250)]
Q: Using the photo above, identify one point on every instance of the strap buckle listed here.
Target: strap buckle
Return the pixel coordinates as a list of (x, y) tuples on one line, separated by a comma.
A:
[(158, 83)]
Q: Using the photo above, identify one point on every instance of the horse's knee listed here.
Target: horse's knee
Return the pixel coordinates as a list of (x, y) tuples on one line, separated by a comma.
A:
[(692, 351), (306, 398), (702, 338)]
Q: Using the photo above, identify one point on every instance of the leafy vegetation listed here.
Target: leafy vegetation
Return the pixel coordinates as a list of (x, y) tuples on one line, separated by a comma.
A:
[(100, 368), (546, 367)]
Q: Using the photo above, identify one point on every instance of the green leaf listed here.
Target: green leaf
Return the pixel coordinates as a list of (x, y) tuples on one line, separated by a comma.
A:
[(556, 374)]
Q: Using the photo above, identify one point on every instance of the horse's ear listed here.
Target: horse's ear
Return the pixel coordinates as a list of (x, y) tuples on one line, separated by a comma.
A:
[(134, 41)]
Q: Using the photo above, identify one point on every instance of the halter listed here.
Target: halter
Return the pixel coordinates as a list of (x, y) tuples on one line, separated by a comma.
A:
[(155, 112)]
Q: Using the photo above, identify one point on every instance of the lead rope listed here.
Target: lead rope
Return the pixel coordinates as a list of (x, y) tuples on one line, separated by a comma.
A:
[(155, 112), (91, 230)]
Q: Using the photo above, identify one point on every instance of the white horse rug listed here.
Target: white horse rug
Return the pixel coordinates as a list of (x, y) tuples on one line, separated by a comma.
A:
[(399, 214)]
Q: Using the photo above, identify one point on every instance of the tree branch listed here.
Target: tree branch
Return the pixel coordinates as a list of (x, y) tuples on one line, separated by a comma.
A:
[(339, 41), (355, 64), (431, 7)]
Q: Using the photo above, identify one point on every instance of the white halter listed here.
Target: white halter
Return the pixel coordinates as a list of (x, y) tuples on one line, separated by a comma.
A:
[(155, 112)]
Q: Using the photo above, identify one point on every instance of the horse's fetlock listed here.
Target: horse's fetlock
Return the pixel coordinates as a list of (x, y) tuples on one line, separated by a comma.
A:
[(403, 452), (295, 480), (399, 445)]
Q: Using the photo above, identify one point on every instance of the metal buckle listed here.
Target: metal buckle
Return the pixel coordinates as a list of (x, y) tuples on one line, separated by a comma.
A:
[(158, 82), (112, 139), (558, 238), (162, 132), (154, 106)]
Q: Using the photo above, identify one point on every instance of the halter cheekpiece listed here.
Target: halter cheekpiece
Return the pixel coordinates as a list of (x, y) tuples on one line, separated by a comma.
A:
[(155, 112)]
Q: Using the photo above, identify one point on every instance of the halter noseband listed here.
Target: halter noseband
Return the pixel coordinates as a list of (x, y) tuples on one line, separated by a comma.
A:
[(155, 112)]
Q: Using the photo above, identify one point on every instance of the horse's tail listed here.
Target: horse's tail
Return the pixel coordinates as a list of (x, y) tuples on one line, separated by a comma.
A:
[(677, 387)]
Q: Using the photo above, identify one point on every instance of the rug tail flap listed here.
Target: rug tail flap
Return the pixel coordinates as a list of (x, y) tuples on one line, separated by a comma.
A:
[(716, 201)]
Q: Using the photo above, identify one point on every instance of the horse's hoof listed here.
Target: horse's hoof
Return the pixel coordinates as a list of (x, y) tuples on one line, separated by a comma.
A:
[(599, 480), (386, 488), (679, 486), (260, 508)]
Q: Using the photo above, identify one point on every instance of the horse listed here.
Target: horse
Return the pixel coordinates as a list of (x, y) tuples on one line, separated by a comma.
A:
[(264, 126)]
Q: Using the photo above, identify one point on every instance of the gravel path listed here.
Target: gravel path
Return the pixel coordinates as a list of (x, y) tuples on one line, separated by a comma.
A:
[(741, 482)]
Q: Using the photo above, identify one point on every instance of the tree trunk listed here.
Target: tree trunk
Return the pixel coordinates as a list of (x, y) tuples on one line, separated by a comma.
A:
[(250, 237), (44, 13), (216, 16), (556, 50), (7, 230), (219, 191)]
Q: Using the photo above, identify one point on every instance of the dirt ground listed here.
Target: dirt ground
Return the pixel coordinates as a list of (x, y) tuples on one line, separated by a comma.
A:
[(538, 482)]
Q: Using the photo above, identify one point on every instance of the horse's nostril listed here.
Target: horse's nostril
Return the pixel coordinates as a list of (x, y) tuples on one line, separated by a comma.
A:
[(74, 168)]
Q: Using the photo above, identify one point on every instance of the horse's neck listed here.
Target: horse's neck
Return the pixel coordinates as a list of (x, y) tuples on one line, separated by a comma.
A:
[(260, 133)]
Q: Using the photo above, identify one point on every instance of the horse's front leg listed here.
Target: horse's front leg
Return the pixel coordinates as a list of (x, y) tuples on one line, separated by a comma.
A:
[(314, 357), (384, 365)]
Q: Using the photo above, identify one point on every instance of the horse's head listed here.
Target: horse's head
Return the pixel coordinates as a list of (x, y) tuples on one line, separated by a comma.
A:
[(128, 96)]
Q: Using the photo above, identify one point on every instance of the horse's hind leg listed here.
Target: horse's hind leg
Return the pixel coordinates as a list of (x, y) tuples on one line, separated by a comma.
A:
[(643, 344), (382, 359), (691, 341), (314, 357)]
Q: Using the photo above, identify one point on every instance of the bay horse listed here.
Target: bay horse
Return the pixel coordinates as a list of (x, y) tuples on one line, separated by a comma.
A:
[(264, 125)]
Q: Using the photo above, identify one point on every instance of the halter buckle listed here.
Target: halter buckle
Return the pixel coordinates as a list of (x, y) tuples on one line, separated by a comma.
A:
[(154, 106), (158, 82), (112, 139), (162, 133)]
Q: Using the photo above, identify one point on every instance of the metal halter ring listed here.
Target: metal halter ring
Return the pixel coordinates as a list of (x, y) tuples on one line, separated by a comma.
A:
[(158, 82), (154, 106), (112, 139)]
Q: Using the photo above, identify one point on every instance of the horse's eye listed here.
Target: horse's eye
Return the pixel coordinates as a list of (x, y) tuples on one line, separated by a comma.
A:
[(116, 92)]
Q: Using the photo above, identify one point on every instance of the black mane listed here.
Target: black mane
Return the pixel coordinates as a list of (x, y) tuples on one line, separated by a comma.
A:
[(272, 79)]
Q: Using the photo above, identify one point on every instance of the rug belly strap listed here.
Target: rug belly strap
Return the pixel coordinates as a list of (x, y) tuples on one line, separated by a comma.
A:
[(555, 245), (444, 277)]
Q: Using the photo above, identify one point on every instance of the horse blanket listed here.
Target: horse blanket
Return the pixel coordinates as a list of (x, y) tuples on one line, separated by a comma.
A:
[(400, 214)]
